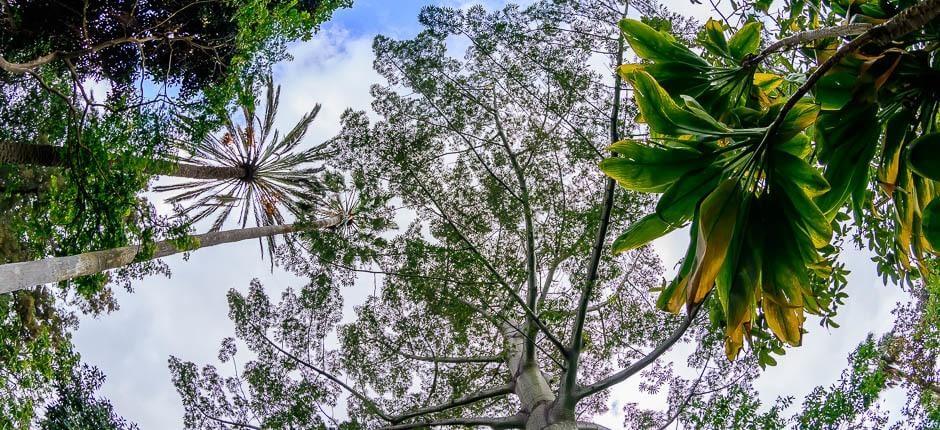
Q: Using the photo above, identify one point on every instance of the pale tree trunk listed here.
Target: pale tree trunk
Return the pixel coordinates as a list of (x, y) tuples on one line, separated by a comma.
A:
[(51, 156), (18, 276), (539, 406)]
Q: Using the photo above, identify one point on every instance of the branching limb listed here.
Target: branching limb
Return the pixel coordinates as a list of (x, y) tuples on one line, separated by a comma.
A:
[(907, 21), (641, 364), (531, 281), (804, 37), (462, 401), (570, 383), (376, 409), (513, 422)]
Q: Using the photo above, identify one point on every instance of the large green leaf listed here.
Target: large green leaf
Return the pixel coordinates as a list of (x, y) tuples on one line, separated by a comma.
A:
[(647, 229), (664, 116), (834, 90), (746, 41), (681, 199), (846, 141), (651, 44), (924, 156), (714, 40), (717, 219), (647, 168), (930, 226)]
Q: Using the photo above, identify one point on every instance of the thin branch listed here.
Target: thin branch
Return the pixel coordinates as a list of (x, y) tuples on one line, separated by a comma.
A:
[(641, 364), (513, 422), (369, 402), (804, 37), (455, 403), (689, 397), (569, 385)]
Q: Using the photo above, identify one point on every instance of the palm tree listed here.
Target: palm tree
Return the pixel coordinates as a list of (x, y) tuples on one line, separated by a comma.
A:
[(18, 276), (271, 175)]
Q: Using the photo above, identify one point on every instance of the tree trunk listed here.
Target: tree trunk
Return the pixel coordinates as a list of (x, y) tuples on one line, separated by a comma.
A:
[(539, 404), (51, 156), (18, 276)]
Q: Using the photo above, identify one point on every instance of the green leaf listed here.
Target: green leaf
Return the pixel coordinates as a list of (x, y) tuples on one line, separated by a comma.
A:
[(846, 141), (664, 116), (649, 169), (717, 219), (714, 40), (834, 90), (746, 41), (656, 46), (647, 229), (924, 156), (679, 202), (930, 226)]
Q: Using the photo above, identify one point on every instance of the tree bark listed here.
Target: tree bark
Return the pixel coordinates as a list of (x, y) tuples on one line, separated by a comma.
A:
[(51, 156), (18, 276)]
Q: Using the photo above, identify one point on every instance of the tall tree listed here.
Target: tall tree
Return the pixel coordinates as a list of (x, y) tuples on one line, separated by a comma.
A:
[(498, 304)]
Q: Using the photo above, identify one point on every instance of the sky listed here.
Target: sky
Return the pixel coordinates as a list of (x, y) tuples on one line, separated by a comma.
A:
[(187, 315)]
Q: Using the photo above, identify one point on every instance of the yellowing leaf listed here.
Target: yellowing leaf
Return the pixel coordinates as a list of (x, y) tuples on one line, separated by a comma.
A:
[(717, 218), (784, 319), (767, 82)]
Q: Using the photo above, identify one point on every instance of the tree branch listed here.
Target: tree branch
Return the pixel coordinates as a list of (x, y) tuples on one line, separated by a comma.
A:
[(462, 401), (807, 36), (907, 21), (532, 291), (640, 364), (513, 422), (354, 392), (570, 383)]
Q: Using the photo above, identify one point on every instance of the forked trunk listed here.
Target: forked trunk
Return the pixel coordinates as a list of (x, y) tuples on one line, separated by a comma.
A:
[(18, 276), (538, 401), (51, 156)]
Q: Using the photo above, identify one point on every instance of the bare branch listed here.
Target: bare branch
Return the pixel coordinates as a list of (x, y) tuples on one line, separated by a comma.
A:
[(462, 401), (804, 37), (513, 422), (641, 364)]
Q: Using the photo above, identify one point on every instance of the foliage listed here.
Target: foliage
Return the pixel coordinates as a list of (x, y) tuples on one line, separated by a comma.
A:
[(76, 407), (734, 147)]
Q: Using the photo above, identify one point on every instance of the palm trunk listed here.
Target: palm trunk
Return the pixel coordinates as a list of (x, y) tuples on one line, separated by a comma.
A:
[(18, 276), (51, 156)]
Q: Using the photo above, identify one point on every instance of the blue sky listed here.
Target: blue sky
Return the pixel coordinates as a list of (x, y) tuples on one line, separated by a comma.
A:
[(186, 315)]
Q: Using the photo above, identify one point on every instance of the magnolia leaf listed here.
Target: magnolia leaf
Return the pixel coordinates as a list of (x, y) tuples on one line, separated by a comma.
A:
[(640, 233), (930, 225), (924, 156), (745, 42), (846, 141), (784, 320), (717, 218), (767, 82), (794, 169), (889, 167), (834, 90), (674, 295), (646, 168)]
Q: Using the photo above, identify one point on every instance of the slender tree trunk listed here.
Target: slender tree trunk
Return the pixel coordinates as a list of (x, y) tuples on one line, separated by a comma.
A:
[(51, 156), (18, 276)]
